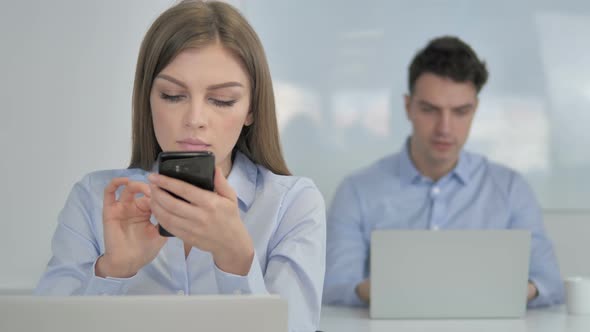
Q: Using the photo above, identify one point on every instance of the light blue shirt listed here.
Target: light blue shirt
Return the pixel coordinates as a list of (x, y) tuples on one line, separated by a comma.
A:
[(284, 215), (392, 194)]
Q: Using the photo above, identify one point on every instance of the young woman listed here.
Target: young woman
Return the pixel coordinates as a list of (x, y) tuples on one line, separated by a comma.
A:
[(202, 83)]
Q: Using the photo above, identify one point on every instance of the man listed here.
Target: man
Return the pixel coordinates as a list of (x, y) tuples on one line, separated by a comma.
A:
[(432, 183)]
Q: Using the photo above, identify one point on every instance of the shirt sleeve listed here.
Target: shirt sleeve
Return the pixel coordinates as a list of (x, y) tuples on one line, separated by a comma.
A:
[(297, 255), (75, 250), (251, 283), (543, 270), (347, 250), (295, 260)]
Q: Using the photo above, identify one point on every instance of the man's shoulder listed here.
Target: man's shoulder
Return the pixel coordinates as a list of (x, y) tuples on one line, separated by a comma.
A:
[(495, 172), (383, 170)]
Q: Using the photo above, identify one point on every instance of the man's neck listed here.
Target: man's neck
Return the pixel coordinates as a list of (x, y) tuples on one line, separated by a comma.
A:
[(432, 170), (436, 173)]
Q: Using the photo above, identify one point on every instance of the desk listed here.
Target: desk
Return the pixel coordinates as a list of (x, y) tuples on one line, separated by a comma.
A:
[(555, 319)]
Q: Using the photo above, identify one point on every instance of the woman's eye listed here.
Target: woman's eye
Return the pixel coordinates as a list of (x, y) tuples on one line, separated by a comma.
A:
[(171, 98), (222, 103)]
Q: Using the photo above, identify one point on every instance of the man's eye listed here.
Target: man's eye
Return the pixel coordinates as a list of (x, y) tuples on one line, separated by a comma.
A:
[(462, 111)]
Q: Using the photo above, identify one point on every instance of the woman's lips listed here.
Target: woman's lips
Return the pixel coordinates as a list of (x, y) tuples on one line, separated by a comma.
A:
[(193, 145)]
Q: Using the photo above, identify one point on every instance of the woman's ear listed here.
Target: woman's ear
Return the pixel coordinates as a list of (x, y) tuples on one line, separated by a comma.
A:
[(249, 119)]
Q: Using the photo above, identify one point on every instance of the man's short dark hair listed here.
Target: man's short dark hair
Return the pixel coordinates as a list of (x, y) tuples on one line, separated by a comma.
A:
[(449, 57)]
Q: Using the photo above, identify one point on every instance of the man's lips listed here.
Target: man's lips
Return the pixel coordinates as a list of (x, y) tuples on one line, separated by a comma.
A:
[(442, 145)]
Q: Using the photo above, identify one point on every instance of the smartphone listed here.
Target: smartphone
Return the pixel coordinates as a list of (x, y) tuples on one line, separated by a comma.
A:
[(196, 168)]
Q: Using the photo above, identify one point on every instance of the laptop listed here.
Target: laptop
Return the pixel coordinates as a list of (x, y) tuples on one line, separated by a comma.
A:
[(213, 313), (419, 274)]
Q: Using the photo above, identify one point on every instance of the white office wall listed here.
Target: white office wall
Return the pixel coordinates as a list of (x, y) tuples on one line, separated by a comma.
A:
[(66, 79), (339, 70)]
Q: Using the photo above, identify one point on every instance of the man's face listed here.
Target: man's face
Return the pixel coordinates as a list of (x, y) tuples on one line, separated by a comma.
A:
[(441, 111)]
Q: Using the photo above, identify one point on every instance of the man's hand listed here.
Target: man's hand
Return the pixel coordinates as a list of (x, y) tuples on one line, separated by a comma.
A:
[(363, 290), (532, 293)]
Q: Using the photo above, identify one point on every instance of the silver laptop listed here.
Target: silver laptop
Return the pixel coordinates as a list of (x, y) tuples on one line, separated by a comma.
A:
[(449, 274), (143, 313)]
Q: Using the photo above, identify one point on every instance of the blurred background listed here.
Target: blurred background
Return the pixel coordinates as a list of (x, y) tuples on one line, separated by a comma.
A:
[(339, 71)]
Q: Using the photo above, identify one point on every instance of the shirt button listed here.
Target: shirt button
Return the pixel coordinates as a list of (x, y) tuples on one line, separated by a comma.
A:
[(238, 292), (435, 191), (180, 292)]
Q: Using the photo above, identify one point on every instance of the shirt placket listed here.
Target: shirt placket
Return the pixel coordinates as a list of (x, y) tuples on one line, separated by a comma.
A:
[(439, 210), (178, 266)]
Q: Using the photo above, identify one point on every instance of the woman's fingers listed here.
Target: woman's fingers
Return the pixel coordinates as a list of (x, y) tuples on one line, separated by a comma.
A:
[(222, 186), (171, 204), (132, 189), (174, 221), (143, 204), (110, 190), (187, 191)]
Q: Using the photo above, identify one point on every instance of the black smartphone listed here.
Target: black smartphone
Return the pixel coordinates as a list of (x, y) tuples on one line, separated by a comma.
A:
[(196, 168)]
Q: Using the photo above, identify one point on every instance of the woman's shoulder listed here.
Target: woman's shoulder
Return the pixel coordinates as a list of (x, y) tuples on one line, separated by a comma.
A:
[(296, 199), (287, 182), (98, 180), (265, 180), (289, 187)]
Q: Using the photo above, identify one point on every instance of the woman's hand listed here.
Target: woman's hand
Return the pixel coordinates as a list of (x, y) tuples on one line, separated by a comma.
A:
[(131, 241), (208, 220)]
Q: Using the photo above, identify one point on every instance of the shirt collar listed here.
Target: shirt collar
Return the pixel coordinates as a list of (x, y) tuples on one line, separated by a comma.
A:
[(242, 178), (461, 171), (407, 171), (409, 174)]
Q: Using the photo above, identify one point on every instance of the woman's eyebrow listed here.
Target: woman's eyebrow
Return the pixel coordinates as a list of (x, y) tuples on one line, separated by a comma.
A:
[(172, 79), (225, 85)]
